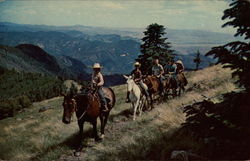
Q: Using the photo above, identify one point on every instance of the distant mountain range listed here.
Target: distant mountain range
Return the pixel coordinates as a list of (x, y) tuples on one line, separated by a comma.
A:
[(115, 53), (31, 58), (114, 48)]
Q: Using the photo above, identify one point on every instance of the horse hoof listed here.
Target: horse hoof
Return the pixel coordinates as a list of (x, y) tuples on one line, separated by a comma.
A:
[(77, 153), (102, 136), (98, 139)]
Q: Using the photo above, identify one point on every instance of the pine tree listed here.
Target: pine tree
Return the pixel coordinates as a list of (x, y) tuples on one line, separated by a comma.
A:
[(236, 55), (197, 60), (154, 44)]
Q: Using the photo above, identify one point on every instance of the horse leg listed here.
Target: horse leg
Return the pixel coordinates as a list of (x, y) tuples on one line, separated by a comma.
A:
[(141, 105), (80, 146), (102, 125), (135, 108), (151, 101), (106, 115), (94, 123)]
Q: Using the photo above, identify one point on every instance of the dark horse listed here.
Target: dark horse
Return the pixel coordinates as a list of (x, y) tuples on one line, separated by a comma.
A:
[(153, 84), (171, 84), (87, 108)]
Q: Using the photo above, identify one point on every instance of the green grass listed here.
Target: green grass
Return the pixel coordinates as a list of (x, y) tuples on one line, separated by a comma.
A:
[(42, 136)]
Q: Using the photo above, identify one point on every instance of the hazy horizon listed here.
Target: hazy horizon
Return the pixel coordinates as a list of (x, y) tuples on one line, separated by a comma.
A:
[(180, 15)]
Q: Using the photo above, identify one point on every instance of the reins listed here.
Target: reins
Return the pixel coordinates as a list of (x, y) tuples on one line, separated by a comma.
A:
[(79, 118)]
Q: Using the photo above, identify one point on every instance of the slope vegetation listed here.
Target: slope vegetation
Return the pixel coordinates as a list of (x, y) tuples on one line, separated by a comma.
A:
[(42, 136)]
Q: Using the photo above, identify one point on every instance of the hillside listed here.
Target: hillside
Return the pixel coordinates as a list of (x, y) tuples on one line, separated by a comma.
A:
[(31, 58), (47, 138), (19, 89)]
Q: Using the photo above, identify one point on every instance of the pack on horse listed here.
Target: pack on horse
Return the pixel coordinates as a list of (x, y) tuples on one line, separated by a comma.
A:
[(88, 108)]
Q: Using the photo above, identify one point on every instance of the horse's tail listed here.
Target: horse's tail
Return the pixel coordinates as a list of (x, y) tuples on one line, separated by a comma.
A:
[(113, 93)]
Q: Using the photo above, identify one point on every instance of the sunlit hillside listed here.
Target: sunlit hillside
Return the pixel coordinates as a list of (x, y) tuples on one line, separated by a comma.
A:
[(34, 135)]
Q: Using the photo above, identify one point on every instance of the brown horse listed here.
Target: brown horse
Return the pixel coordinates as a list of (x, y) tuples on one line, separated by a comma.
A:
[(87, 108), (153, 84), (182, 82), (171, 84)]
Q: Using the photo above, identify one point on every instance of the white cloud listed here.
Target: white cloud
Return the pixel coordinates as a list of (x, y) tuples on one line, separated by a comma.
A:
[(30, 12), (181, 14), (110, 4)]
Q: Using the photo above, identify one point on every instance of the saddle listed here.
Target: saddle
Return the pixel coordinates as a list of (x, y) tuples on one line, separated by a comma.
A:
[(95, 94)]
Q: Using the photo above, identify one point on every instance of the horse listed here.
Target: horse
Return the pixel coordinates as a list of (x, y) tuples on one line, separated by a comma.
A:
[(171, 84), (153, 84), (87, 108), (135, 95), (182, 82)]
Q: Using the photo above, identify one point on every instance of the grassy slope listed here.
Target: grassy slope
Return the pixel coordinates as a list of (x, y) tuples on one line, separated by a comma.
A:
[(42, 136)]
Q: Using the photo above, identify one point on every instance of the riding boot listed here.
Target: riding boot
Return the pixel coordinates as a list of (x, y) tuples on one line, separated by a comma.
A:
[(127, 99), (146, 92), (161, 89)]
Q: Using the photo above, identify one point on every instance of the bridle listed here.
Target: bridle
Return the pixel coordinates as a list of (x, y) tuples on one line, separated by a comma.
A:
[(75, 109)]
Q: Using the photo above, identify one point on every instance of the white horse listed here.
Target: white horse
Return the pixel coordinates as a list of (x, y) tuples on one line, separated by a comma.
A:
[(135, 95)]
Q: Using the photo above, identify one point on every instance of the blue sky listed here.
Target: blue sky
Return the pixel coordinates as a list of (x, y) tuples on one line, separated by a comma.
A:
[(174, 14)]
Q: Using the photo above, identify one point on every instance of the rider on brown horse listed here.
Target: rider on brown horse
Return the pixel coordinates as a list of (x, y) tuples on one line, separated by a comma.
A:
[(97, 83), (158, 71), (137, 77), (180, 70), (171, 70)]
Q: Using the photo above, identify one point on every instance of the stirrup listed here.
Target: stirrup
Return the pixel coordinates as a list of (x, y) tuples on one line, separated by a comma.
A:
[(105, 110)]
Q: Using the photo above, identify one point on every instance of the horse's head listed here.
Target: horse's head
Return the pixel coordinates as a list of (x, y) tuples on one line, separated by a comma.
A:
[(130, 82), (69, 107)]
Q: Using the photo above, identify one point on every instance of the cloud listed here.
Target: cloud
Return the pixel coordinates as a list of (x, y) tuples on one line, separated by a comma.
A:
[(111, 5), (181, 14), (2, 1), (30, 12)]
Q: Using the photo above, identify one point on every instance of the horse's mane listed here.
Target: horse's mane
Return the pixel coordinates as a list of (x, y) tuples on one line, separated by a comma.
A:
[(81, 99)]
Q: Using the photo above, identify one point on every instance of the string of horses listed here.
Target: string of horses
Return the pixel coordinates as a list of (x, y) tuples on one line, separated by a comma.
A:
[(143, 91)]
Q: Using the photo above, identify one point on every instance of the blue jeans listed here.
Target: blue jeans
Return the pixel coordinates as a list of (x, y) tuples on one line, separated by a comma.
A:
[(102, 96)]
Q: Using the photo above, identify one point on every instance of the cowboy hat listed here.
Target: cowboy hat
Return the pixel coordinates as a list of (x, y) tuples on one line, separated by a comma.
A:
[(179, 61), (137, 64), (96, 66)]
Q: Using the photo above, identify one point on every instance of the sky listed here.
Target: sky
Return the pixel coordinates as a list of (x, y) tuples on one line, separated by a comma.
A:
[(174, 14)]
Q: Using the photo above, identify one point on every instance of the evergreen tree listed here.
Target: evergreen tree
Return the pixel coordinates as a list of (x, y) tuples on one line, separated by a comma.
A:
[(154, 44), (236, 55), (197, 60)]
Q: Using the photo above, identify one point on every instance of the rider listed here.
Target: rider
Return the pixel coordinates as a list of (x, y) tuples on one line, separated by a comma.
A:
[(137, 77), (180, 66), (97, 83), (158, 71), (171, 69), (180, 70)]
